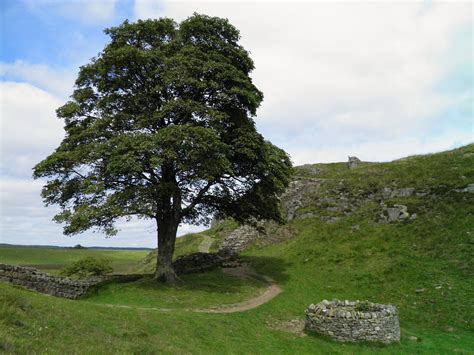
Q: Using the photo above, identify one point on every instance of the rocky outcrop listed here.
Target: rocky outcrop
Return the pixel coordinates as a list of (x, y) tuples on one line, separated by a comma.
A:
[(354, 321), (388, 192), (353, 162), (313, 198), (39, 281), (298, 194), (396, 213), (469, 189)]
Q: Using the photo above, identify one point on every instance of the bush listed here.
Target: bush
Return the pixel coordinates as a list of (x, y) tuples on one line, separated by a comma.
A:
[(87, 267)]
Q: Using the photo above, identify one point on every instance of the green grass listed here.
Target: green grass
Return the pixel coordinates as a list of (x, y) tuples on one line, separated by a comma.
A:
[(202, 290), (52, 260), (384, 263)]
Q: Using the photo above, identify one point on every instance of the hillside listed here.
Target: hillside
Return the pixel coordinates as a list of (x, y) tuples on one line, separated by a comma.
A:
[(399, 232)]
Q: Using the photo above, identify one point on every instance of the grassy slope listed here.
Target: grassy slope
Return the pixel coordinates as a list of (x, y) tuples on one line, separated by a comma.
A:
[(383, 263)]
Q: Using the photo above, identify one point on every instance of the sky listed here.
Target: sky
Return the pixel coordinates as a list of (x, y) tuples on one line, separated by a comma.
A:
[(379, 80)]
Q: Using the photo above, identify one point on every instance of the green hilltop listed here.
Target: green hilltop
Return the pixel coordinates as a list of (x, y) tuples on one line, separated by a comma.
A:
[(399, 233)]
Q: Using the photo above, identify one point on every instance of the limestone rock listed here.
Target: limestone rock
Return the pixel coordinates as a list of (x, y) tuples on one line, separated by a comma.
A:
[(469, 189), (397, 213), (353, 162)]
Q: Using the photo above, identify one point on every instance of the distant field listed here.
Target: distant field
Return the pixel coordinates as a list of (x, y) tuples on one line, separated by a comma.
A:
[(52, 260)]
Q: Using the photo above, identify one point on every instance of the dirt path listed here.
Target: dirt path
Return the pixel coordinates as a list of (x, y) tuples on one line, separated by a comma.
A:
[(205, 244), (246, 272), (243, 272)]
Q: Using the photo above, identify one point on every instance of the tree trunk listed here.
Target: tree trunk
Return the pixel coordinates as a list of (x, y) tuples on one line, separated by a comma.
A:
[(164, 263)]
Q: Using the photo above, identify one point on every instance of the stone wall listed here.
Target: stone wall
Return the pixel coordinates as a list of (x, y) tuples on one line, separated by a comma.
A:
[(44, 283), (238, 240), (199, 262), (354, 321)]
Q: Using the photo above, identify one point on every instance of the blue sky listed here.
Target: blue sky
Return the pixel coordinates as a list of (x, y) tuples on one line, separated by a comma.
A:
[(378, 80)]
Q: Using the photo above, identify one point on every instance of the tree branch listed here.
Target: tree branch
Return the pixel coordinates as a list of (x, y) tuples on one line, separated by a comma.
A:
[(198, 197), (74, 171)]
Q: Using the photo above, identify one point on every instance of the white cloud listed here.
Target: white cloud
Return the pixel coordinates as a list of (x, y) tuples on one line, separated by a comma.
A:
[(382, 150), (336, 74), (24, 220), (57, 82), (29, 128)]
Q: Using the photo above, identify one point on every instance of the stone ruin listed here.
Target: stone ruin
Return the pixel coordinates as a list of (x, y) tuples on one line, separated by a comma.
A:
[(348, 321), (238, 240), (44, 283), (353, 162), (198, 262)]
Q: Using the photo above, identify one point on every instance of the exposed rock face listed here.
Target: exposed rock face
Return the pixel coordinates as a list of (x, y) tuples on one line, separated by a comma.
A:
[(388, 192), (469, 189), (396, 213), (298, 194), (353, 162), (238, 240), (354, 321), (311, 198), (44, 283)]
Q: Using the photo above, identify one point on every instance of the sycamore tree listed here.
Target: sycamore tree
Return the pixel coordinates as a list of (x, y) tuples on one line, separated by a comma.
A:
[(160, 126)]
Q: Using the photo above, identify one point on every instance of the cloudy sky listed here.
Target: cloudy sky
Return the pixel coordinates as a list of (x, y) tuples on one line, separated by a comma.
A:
[(374, 79)]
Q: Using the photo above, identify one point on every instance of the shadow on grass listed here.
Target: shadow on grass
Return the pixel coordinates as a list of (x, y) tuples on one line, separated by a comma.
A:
[(212, 282), (355, 344), (270, 266)]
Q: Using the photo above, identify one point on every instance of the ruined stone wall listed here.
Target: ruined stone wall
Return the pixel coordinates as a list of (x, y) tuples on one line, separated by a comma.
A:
[(44, 283), (238, 240), (199, 262), (354, 321)]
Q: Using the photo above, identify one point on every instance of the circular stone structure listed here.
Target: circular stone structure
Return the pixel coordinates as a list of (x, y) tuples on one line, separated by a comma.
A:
[(354, 321)]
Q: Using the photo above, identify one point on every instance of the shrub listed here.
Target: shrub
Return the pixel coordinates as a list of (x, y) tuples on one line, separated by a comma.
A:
[(86, 267)]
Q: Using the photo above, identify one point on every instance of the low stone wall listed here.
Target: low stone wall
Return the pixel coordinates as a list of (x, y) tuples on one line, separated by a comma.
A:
[(354, 321), (44, 283), (199, 262)]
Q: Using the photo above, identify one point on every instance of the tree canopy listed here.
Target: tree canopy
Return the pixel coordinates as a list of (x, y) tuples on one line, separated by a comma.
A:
[(160, 126)]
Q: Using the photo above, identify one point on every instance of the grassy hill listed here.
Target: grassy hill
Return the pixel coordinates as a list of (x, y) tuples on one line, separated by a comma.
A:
[(338, 245)]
